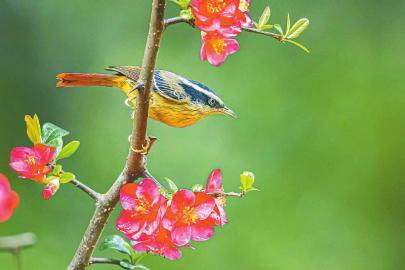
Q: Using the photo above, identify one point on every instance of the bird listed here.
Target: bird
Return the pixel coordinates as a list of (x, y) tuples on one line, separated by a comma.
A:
[(174, 100)]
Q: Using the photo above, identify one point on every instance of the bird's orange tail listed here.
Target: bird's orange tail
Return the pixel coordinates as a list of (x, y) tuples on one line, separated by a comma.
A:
[(87, 79)]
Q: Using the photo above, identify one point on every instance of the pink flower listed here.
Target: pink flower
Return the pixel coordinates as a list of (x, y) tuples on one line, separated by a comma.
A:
[(33, 163), (216, 48), (143, 208), (214, 185), (158, 243), (50, 189), (217, 15), (9, 199), (186, 218)]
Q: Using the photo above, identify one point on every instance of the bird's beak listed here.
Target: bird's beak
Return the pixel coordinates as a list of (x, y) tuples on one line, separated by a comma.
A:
[(229, 112)]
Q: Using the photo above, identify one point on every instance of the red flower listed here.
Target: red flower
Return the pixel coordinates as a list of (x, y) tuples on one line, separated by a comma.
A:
[(187, 217), (9, 199), (159, 243), (216, 48), (214, 185), (217, 15), (33, 163), (143, 208)]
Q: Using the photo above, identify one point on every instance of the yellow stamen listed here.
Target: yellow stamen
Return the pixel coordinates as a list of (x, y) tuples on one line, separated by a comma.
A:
[(215, 6), (31, 160)]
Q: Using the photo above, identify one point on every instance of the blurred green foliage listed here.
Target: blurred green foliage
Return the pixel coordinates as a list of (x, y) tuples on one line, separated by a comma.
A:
[(323, 133)]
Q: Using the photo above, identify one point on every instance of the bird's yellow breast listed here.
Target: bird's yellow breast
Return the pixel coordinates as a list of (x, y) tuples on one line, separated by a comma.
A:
[(172, 113)]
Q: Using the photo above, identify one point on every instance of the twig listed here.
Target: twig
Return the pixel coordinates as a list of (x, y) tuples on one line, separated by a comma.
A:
[(227, 194), (95, 195), (105, 261), (175, 20), (135, 165), (179, 19)]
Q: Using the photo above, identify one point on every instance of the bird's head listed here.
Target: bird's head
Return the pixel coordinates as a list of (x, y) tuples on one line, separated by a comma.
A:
[(201, 96)]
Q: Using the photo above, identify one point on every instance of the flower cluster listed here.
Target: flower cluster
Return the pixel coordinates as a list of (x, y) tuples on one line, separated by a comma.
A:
[(38, 163), (9, 199), (160, 225), (220, 22)]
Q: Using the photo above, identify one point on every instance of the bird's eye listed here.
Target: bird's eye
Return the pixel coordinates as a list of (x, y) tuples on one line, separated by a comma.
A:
[(211, 102)]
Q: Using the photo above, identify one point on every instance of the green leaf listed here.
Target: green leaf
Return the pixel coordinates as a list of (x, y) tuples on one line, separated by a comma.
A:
[(33, 129), (247, 180), (298, 45), (279, 29), (56, 170), (298, 28), (288, 24), (197, 188), (126, 265), (172, 185), (50, 132), (118, 243), (66, 177), (182, 3), (68, 150), (264, 18), (186, 14), (267, 26)]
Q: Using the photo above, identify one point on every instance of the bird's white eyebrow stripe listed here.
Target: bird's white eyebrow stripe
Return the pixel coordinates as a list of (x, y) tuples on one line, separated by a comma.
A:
[(200, 89)]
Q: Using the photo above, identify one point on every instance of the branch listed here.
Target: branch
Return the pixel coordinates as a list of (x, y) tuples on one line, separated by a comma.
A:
[(179, 19), (227, 194), (105, 261), (95, 195), (176, 20), (135, 165)]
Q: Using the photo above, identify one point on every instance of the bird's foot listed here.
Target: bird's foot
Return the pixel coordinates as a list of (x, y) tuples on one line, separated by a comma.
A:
[(149, 140), (132, 94)]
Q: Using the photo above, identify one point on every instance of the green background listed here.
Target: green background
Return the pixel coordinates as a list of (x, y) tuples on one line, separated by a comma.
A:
[(324, 133)]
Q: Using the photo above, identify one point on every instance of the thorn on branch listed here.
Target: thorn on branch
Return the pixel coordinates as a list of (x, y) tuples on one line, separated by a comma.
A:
[(149, 141)]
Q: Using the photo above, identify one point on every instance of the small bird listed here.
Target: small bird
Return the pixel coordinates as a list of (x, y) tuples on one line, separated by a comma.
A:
[(174, 100)]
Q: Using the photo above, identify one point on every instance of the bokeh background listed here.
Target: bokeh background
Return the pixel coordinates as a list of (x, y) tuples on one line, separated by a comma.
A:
[(324, 133)]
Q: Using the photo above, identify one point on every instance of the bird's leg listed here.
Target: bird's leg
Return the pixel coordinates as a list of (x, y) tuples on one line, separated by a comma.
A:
[(131, 95), (149, 141)]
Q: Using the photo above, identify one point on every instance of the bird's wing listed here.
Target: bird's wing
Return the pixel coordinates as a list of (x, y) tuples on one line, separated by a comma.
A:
[(166, 84), (131, 72)]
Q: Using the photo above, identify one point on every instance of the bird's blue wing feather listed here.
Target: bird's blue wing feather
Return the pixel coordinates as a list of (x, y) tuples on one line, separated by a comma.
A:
[(167, 85)]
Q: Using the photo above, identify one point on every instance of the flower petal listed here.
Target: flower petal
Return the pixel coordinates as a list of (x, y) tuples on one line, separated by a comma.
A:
[(148, 190), (201, 233), (171, 253), (181, 199), (204, 205), (181, 235), (20, 153), (128, 224), (214, 181), (232, 46), (127, 197)]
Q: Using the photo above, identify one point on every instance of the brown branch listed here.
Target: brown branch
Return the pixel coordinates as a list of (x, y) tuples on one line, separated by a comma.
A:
[(227, 194), (179, 19), (95, 195), (136, 162)]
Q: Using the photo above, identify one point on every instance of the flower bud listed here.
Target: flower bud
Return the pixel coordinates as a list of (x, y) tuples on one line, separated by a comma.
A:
[(50, 189)]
